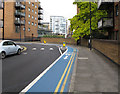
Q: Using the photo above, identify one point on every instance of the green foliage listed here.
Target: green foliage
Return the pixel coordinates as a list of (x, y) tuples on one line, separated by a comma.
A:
[(54, 36), (80, 23)]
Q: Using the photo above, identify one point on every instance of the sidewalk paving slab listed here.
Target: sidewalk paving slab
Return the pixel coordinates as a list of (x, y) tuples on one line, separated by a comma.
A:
[(95, 75)]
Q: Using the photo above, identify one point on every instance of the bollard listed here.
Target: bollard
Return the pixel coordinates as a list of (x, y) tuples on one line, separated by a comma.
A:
[(63, 43), (44, 41)]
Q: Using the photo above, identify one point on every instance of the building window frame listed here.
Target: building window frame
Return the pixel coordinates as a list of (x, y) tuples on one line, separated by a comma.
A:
[(116, 10), (28, 29), (32, 4), (29, 15), (32, 23), (28, 9)]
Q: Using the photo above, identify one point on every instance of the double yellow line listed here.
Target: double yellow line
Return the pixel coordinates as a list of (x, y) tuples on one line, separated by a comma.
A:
[(64, 83)]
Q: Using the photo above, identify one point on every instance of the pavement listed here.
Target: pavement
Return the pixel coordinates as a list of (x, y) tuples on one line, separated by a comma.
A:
[(94, 73)]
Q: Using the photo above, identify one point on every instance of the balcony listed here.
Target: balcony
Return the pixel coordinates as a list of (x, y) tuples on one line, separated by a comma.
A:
[(40, 12), (19, 14), (105, 4), (19, 22), (40, 17), (39, 7), (1, 24), (19, 5), (105, 22)]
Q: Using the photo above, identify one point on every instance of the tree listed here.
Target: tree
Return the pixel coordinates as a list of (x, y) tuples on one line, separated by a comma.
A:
[(80, 23)]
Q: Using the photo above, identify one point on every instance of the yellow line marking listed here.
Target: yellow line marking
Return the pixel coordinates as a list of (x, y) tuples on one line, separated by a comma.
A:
[(24, 48), (56, 90), (63, 86)]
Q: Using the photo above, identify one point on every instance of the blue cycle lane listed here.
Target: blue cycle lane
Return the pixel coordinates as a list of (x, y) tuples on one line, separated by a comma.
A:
[(57, 77)]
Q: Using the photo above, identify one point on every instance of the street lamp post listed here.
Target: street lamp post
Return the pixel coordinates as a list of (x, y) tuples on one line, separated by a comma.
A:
[(90, 28)]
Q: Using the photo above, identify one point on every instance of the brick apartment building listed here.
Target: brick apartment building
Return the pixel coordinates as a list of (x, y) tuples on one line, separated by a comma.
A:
[(112, 22), (21, 19)]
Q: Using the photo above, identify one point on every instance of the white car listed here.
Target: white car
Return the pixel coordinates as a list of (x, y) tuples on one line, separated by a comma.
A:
[(8, 47)]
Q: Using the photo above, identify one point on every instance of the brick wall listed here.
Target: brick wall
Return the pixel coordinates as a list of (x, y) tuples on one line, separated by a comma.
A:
[(59, 40), (110, 48)]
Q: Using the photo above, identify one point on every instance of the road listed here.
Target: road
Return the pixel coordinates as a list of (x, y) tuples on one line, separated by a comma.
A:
[(20, 70)]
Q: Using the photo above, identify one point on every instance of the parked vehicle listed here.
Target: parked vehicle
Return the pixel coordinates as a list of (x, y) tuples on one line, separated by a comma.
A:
[(8, 47)]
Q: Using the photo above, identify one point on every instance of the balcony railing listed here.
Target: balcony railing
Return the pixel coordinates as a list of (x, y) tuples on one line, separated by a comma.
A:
[(39, 7), (40, 17), (19, 5), (19, 13), (105, 22), (19, 22), (1, 24), (104, 4), (40, 12)]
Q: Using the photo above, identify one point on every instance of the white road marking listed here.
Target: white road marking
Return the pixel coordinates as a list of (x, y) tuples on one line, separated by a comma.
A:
[(60, 51), (82, 57), (51, 49), (66, 57), (24, 53), (34, 49), (42, 49), (42, 74)]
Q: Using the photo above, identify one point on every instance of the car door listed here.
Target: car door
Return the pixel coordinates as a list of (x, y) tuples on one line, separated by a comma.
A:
[(6, 47), (12, 47)]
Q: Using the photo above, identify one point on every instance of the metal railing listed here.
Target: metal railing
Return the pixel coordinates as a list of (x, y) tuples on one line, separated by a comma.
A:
[(18, 4), (105, 22), (20, 13), (19, 22)]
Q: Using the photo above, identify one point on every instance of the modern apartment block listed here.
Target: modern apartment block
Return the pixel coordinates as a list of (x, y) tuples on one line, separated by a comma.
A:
[(21, 19), (58, 25), (111, 22)]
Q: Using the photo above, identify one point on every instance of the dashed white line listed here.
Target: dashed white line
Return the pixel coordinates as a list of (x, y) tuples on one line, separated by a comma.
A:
[(24, 53), (51, 49), (42, 49), (34, 49), (66, 57)]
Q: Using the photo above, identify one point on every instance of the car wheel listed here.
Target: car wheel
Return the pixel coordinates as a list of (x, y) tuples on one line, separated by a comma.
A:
[(19, 52), (3, 55)]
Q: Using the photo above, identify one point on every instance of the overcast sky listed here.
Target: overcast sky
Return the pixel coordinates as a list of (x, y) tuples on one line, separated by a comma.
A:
[(63, 8)]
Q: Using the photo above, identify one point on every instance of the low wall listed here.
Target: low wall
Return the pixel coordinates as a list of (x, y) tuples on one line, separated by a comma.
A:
[(59, 40), (110, 48)]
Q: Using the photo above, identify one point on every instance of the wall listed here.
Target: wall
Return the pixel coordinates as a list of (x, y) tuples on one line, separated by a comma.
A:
[(59, 40), (110, 48)]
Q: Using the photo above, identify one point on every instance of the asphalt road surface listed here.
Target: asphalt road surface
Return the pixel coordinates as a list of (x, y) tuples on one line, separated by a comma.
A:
[(20, 70)]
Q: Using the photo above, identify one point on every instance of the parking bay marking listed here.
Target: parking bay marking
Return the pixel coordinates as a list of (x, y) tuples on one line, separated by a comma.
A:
[(42, 49), (34, 49), (66, 57), (51, 49)]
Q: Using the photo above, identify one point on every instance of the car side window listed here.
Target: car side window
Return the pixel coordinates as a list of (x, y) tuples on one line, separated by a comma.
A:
[(10, 43), (5, 43)]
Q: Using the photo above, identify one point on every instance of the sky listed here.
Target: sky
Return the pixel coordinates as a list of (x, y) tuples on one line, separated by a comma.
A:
[(63, 8)]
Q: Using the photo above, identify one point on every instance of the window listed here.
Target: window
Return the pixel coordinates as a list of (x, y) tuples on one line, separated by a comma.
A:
[(35, 12), (32, 23), (29, 2), (32, 10), (5, 43), (23, 28), (116, 10), (29, 29), (35, 6), (29, 15), (35, 24), (32, 4), (35, 18), (28, 9), (29, 22), (32, 17)]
